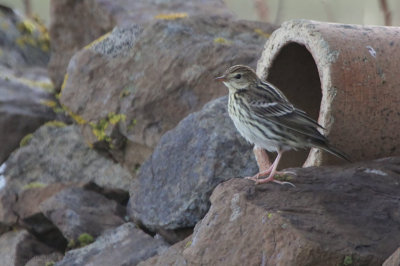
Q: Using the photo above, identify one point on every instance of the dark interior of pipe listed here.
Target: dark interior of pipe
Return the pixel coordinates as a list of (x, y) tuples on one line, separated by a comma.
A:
[(295, 73)]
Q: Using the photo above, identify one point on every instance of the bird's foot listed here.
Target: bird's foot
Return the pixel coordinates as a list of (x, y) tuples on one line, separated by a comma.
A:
[(271, 178), (260, 174)]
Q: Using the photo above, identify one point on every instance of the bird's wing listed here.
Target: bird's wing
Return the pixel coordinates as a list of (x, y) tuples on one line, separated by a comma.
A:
[(271, 109), (285, 115)]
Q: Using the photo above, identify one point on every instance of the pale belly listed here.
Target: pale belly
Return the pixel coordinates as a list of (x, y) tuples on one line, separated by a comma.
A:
[(254, 138)]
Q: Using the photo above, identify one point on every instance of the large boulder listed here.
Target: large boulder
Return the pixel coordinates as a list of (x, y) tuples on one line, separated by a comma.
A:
[(174, 185), (101, 16), (124, 245), (136, 83), (344, 215)]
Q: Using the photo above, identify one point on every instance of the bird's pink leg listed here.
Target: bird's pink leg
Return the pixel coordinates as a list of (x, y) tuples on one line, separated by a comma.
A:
[(262, 159), (273, 172), (264, 166)]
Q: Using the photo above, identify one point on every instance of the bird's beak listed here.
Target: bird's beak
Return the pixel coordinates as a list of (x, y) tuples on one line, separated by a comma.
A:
[(221, 78)]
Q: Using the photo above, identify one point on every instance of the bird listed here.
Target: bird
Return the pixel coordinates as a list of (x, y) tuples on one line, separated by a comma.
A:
[(264, 116)]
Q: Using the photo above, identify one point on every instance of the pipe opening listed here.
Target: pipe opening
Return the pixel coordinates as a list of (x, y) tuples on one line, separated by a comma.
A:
[(295, 73)]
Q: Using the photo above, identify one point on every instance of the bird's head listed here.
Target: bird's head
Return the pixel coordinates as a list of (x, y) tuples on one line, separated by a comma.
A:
[(238, 77)]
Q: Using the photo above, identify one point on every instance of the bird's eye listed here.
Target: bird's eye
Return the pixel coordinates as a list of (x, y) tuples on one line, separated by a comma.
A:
[(238, 76)]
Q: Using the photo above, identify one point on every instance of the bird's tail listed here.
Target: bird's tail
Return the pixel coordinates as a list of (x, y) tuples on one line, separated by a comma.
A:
[(335, 152)]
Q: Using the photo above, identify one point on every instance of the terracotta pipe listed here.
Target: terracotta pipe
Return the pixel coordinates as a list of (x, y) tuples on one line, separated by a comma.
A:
[(347, 77)]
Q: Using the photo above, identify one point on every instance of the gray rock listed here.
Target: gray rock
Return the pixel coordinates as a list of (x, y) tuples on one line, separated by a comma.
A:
[(173, 187), (44, 260), (125, 245), (23, 42), (75, 211), (134, 90), (18, 247), (59, 155), (23, 106), (101, 16)]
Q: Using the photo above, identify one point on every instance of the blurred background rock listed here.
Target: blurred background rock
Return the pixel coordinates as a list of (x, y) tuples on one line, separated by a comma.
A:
[(374, 12)]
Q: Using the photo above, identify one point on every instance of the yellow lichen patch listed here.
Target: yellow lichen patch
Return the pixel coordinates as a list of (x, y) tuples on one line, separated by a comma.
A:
[(77, 118), (115, 118), (34, 185), (262, 33), (90, 45), (99, 130), (171, 16), (26, 26), (25, 140), (223, 41), (49, 103), (55, 123), (64, 82), (188, 244)]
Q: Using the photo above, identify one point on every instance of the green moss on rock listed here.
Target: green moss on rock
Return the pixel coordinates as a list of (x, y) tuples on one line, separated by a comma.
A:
[(34, 185), (25, 140), (56, 123)]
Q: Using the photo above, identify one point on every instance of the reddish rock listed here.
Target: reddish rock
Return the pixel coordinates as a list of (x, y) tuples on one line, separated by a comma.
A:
[(335, 216)]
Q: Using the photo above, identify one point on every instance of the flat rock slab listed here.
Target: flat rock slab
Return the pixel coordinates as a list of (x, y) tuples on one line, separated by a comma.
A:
[(124, 245), (173, 187), (345, 215)]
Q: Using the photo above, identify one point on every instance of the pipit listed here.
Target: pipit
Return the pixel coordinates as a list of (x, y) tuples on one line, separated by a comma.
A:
[(264, 117)]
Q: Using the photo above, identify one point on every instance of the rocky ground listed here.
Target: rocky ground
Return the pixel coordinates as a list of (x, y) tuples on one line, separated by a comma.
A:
[(130, 157)]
